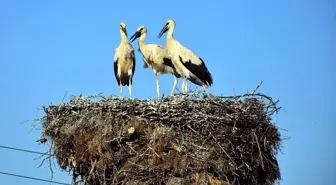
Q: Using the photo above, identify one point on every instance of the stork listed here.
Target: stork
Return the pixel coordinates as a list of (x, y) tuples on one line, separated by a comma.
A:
[(187, 64), (124, 61), (154, 56)]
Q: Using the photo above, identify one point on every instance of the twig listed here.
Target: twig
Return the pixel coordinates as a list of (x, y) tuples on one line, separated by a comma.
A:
[(256, 88), (153, 151), (66, 92), (199, 147), (223, 149), (50, 164), (260, 154), (255, 94), (142, 167)]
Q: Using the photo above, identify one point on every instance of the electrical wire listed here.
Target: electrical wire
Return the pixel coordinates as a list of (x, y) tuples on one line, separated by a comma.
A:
[(27, 177), (23, 150), (32, 178)]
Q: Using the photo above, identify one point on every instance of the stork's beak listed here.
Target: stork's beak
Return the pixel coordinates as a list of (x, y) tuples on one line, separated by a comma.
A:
[(136, 35), (164, 29)]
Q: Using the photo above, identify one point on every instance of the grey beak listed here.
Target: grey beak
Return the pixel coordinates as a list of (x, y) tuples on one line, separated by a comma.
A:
[(136, 35), (164, 29)]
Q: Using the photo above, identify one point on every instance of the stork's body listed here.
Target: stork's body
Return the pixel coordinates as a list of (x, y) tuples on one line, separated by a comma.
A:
[(155, 57), (124, 61), (187, 64)]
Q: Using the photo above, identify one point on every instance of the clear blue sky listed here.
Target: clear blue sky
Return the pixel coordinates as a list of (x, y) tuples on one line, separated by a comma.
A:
[(50, 47)]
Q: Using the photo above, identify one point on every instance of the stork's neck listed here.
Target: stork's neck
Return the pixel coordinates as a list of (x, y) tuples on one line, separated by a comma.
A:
[(143, 37), (123, 36), (142, 40), (170, 33)]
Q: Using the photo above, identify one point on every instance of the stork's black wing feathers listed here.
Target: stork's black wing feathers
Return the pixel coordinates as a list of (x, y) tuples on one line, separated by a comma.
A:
[(207, 75), (168, 62), (116, 71), (202, 75), (133, 68)]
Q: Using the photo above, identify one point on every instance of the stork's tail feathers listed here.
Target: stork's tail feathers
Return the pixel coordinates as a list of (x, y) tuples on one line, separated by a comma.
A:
[(206, 76), (207, 85), (125, 80), (194, 79), (199, 73), (205, 80), (210, 81)]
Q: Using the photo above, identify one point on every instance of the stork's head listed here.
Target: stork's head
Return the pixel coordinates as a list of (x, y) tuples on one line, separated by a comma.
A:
[(141, 30), (123, 27), (169, 24)]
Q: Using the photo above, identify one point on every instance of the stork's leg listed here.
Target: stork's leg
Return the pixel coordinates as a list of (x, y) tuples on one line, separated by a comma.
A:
[(157, 85), (120, 86), (130, 87), (183, 85), (185, 80), (174, 86), (186, 85), (182, 77)]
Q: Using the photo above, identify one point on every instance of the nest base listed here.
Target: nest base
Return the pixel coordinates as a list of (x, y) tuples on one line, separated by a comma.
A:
[(199, 139)]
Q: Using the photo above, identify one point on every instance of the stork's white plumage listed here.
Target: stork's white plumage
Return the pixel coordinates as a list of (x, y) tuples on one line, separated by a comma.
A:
[(155, 57), (124, 61), (187, 63)]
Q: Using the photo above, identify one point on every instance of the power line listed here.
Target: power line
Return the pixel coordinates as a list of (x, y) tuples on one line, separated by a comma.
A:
[(23, 150), (27, 177), (33, 178)]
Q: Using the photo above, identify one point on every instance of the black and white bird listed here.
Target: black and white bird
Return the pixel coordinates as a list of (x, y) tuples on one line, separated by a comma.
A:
[(187, 64), (124, 61), (155, 57)]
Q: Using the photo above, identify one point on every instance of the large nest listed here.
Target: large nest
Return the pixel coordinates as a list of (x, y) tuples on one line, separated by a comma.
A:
[(194, 139)]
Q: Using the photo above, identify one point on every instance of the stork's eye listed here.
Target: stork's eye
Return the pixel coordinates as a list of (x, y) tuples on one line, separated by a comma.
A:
[(141, 29), (167, 23)]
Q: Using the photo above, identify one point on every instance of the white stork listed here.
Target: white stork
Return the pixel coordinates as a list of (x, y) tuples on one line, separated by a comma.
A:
[(187, 63), (155, 57), (124, 61)]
